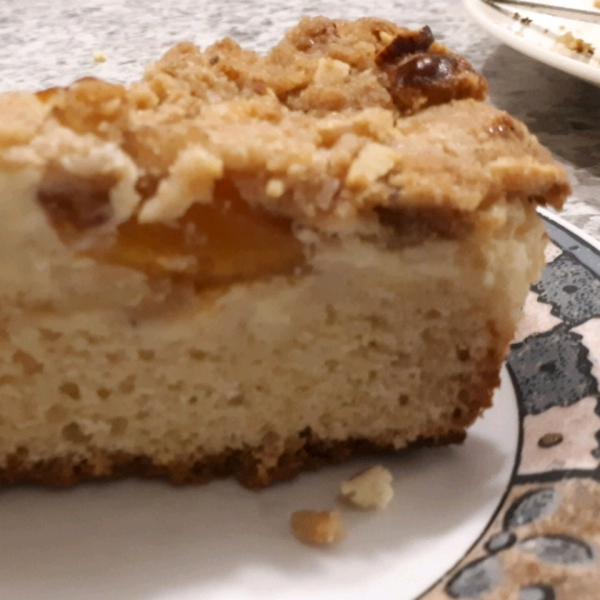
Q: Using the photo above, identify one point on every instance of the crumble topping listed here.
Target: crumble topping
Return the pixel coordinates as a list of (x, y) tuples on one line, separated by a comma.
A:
[(337, 122), (421, 73)]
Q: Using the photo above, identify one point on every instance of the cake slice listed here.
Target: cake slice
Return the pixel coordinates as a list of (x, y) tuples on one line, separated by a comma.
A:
[(248, 265)]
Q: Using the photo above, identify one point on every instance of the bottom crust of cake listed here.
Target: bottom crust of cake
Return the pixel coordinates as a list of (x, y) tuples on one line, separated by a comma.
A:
[(244, 465)]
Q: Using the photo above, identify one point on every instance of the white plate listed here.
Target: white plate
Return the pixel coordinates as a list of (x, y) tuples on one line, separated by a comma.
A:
[(538, 39), (147, 541)]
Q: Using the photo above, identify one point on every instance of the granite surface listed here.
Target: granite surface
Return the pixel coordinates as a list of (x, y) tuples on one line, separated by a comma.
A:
[(46, 43)]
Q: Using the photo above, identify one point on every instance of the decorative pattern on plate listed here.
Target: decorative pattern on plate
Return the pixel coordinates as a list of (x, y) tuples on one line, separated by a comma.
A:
[(544, 541)]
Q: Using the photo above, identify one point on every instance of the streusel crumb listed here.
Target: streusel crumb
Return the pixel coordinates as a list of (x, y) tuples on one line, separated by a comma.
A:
[(369, 489), (317, 528)]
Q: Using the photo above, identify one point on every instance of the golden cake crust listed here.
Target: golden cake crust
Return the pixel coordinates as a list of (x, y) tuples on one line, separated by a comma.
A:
[(244, 465)]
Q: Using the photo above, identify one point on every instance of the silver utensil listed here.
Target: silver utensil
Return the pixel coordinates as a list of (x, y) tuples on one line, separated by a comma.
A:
[(587, 16)]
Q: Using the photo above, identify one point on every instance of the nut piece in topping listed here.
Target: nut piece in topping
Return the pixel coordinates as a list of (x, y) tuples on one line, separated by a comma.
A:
[(373, 161), (370, 489), (317, 528)]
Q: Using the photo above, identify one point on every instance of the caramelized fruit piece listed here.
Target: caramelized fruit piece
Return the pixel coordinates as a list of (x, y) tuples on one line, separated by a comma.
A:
[(410, 42), (417, 73), (214, 244)]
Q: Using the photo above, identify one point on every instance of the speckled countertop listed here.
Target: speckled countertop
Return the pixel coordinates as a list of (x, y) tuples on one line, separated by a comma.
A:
[(52, 42)]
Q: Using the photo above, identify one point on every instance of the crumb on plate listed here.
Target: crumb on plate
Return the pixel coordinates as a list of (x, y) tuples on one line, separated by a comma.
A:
[(370, 489), (575, 44), (320, 528)]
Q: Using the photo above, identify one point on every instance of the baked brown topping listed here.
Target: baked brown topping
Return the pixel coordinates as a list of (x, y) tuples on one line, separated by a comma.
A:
[(429, 79), (421, 73), (89, 105), (506, 127), (225, 240), (426, 70), (409, 42), (331, 130)]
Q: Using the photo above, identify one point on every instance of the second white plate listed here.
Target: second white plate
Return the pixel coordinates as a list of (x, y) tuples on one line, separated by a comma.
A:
[(537, 39)]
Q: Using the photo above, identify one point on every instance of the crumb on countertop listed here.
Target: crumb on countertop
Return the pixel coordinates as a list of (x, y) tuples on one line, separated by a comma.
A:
[(320, 528), (370, 489), (99, 57)]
